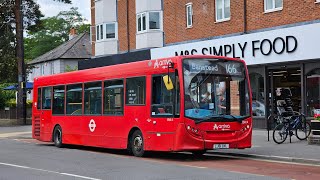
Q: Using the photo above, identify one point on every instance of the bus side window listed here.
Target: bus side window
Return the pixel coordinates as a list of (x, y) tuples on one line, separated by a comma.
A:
[(46, 97), (92, 98), (113, 97), (162, 98), (58, 100), (136, 91), (39, 99), (74, 99)]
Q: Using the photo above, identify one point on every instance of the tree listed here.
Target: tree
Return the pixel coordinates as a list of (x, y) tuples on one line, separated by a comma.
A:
[(8, 61), (52, 32)]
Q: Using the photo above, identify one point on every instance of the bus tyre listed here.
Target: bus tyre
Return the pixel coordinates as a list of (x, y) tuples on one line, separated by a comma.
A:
[(137, 144), (57, 136)]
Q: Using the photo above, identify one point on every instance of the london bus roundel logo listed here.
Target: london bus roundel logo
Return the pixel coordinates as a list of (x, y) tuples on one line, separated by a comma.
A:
[(92, 125)]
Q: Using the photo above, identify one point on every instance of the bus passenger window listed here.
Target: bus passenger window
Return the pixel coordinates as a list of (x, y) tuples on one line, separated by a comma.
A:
[(92, 98), (74, 99), (113, 97), (58, 100), (46, 98), (136, 91), (39, 99), (162, 99)]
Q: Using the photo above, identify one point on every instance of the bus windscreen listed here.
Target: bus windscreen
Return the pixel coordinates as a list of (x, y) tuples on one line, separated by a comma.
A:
[(216, 90)]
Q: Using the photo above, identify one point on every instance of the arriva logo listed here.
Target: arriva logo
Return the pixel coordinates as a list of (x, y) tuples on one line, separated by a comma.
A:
[(221, 127)]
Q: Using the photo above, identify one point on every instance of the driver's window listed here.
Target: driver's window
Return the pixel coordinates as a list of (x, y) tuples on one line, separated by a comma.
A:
[(162, 99)]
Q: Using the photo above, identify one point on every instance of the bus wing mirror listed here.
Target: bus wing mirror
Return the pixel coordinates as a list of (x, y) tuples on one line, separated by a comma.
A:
[(168, 82)]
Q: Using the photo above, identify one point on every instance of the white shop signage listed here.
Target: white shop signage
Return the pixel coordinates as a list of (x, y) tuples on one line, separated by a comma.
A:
[(280, 45)]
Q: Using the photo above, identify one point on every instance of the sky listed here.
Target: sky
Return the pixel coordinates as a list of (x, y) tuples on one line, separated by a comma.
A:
[(51, 8)]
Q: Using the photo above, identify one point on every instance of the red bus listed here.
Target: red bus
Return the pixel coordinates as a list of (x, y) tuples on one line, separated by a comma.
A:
[(183, 103)]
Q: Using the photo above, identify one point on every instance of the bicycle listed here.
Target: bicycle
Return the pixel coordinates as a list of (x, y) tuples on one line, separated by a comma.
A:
[(287, 126)]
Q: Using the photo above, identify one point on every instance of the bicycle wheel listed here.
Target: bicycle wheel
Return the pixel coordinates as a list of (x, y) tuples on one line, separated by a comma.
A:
[(303, 130), (280, 133)]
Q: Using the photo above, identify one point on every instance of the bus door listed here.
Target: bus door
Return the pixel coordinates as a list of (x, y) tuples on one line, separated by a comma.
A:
[(163, 108)]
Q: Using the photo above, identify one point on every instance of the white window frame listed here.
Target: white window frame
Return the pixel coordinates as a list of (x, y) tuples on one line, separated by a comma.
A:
[(100, 31), (223, 13), (273, 9), (97, 32), (115, 29), (147, 15), (189, 6)]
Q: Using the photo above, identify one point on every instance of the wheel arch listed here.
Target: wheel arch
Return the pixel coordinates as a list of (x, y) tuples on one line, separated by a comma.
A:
[(53, 131), (133, 129)]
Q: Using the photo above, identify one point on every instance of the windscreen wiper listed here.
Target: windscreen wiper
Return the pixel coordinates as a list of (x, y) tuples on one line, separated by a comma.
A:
[(209, 119)]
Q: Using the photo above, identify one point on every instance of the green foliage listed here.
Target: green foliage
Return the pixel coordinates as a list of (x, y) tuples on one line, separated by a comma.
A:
[(5, 95), (70, 69), (52, 32)]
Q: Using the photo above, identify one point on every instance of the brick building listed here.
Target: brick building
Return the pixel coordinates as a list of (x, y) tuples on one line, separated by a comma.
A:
[(279, 40)]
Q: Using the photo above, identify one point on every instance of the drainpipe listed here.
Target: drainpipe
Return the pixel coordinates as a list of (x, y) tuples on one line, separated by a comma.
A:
[(128, 34), (245, 17)]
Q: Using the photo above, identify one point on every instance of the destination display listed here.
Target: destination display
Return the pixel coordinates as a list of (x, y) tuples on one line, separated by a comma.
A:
[(214, 67)]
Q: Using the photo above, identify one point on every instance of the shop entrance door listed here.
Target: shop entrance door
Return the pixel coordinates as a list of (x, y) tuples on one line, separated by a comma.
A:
[(285, 77)]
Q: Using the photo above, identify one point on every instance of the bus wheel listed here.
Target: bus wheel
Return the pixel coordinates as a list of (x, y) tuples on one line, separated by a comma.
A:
[(137, 144), (57, 136)]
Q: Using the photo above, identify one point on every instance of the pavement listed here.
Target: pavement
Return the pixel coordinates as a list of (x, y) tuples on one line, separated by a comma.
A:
[(297, 151)]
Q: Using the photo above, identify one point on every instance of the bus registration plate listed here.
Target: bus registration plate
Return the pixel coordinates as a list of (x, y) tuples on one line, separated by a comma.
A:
[(221, 146)]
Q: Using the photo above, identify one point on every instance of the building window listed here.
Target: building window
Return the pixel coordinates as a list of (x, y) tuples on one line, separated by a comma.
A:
[(74, 99), (110, 30), (58, 100), (222, 10), (98, 33), (141, 18), (154, 20), (136, 91), (41, 69), (92, 98), (152, 17), (272, 5), (113, 97), (51, 68), (189, 13)]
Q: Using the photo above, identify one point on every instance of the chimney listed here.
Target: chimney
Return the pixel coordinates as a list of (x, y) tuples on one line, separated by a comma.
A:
[(73, 33)]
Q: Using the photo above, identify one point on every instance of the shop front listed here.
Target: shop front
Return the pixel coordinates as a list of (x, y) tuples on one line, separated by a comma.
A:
[(281, 58)]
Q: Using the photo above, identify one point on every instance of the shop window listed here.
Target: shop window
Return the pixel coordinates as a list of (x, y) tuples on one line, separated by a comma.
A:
[(222, 10), (257, 87), (46, 98), (313, 92), (272, 5), (74, 99), (189, 14), (98, 33), (58, 100), (92, 98), (113, 97), (136, 91)]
